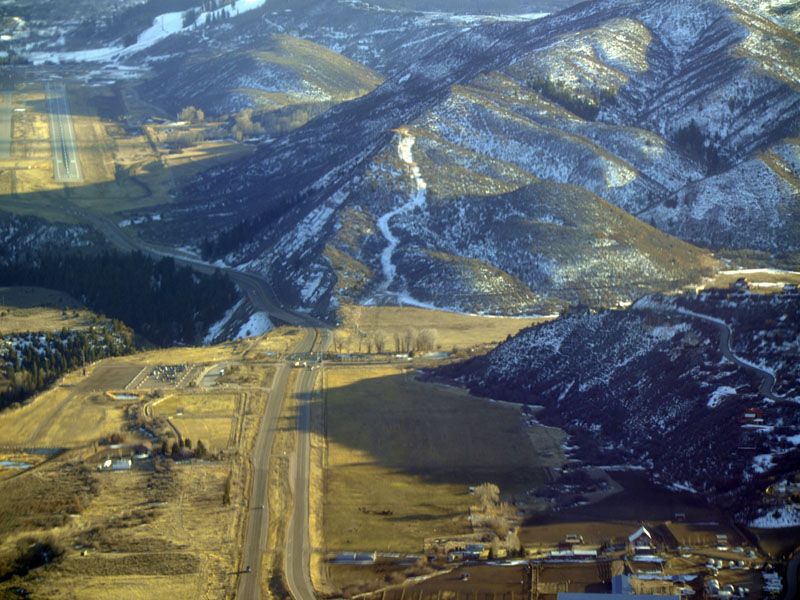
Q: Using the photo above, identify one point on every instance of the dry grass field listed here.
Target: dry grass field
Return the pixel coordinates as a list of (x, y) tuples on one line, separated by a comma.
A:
[(138, 534), (24, 309), (279, 341), (211, 417), (160, 529), (453, 330), (75, 411), (763, 281), (401, 455), (122, 170), (483, 583)]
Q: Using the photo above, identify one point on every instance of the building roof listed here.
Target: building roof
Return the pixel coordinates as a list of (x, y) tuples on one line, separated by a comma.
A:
[(621, 584), (639, 533)]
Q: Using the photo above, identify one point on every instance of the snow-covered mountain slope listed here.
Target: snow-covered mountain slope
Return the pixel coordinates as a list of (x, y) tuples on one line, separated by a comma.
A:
[(526, 135), (651, 385), (280, 72)]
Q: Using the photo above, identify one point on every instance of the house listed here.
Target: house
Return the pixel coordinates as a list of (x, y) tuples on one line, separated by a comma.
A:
[(121, 464), (572, 539), (641, 541), (752, 416), (742, 284), (476, 552), (355, 558), (116, 464)]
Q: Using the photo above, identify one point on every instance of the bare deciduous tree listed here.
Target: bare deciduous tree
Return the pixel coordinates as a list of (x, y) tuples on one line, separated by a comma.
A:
[(426, 340), (192, 114), (488, 495), (380, 341), (244, 126)]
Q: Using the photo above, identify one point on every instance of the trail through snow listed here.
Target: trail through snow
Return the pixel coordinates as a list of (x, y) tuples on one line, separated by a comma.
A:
[(417, 200)]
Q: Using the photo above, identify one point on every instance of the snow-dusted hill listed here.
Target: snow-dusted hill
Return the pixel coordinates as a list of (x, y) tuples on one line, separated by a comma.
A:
[(527, 136), (280, 72), (507, 163), (652, 385)]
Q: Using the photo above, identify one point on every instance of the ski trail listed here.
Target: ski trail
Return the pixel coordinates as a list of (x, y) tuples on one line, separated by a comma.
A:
[(417, 200)]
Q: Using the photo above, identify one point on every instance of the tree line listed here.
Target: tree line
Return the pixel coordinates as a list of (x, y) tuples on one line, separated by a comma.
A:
[(406, 342), (159, 300)]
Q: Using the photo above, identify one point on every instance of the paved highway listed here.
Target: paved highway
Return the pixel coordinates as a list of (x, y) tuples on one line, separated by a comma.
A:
[(62, 136), (5, 124), (298, 551), (257, 520)]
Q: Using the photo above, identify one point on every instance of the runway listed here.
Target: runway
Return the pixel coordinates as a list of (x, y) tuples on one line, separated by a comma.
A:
[(66, 167)]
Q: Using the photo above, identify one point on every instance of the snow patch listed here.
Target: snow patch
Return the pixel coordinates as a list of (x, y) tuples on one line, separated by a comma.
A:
[(258, 324), (763, 463), (216, 329), (719, 394), (778, 518), (417, 201)]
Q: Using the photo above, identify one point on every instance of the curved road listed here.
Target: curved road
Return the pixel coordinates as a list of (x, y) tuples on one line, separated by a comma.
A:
[(725, 334), (255, 287), (767, 386)]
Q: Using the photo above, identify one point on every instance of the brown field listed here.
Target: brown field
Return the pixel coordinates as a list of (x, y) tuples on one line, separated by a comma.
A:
[(401, 455), (277, 342), (619, 515), (210, 417), (452, 330), (144, 533), (14, 319), (122, 170), (778, 542), (760, 282), (74, 412), (159, 529)]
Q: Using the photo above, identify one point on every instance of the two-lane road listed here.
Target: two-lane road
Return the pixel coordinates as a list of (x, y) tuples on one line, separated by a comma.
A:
[(257, 520), (298, 549)]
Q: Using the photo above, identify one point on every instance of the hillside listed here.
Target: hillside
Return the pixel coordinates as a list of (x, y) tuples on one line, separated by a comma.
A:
[(277, 73), (508, 163), (606, 101), (656, 386)]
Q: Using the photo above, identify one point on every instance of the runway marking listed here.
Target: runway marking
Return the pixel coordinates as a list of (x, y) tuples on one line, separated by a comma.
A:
[(62, 135)]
